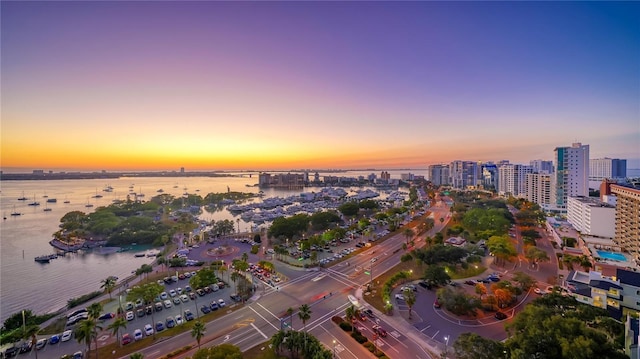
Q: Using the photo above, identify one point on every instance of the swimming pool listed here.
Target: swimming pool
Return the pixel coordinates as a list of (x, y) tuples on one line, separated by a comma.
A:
[(612, 255)]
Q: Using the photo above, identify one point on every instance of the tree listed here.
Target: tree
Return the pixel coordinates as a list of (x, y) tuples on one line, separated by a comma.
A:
[(94, 310), (198, 331), (502, 248), (222, 351), (436, 275), (304, 313), (408, 234), (536, 255), (136, 356), (481, 290), (118, 323), (409, 298), (524, 281), (31, 332), (473, 346), (87, 331), (349, 209), (108, 284), (350, 314)]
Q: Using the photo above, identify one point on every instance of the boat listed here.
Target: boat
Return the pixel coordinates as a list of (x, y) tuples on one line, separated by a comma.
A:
[(22, 198), (107, 188), (66, 200), (52, 200), (97, 195), (15, 213), (88, 205), (138, 255), (160, 190), (46, 208), (46, 258), (34, 203)]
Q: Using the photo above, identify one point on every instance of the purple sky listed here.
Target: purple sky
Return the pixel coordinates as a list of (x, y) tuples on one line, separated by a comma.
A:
[(222, 85)]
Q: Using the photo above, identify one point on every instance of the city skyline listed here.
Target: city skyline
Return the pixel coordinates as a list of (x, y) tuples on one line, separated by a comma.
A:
[(281, 85)]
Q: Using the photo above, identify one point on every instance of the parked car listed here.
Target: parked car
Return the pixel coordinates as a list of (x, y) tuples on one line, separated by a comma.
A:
[(77, 355), (137, 334), (437, 304), (106, 316), (159, 326), (205, 309), (126, 339), (148, 330), (66, 335), (159, 306), (188, 315), (221, 303), (26, 347), (368, 313), (171, 322), (41, 343), (399, 296), (129, 316), (179, 319), (184, 298), (214, 305), (469, 282), (11, 352), (167, 303), (192, 295), (55, 339)]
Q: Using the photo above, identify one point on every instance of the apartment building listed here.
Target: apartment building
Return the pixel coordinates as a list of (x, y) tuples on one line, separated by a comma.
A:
[(619, 294), (439, 174), (590, 216), (512, 179), (627, 220), (463, 174), (571, 176), (538, 189)]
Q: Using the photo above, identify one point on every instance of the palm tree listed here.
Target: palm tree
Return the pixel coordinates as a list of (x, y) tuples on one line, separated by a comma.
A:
[(108, 284), (118, 323), (198, 331), (290, 315), (30, 332), (409, 298), (87, 331), (304, 313), (245, 257), (350, 314), (94, 310), (408, 234), (137, 356)]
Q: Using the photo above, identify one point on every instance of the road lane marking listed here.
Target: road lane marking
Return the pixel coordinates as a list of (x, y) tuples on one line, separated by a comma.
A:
[(265, 319), (259, 331), (268, 311), (318, 277)]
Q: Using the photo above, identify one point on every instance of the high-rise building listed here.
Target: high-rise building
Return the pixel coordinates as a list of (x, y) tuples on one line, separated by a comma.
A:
[(490, 175), (463, 174), (606, 168), (438, 174), (541, 166), (571, 176), (627, 233), (538, 189), (590, 216), (512, 179)]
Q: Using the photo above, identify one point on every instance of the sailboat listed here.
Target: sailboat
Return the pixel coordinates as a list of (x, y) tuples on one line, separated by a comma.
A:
[(88, 205), (97, 194), (34, 203), (66, 200), (22, 198), (46, 208), (15, 213)]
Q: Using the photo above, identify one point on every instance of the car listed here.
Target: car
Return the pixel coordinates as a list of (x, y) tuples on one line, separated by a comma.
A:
[(177, 301), (424, 284), (214, 305), (493, 278), (129, 316), (137, 334), (66, 335), (469, 282), (399, 296), (167, 303), (128, 306), (139, 304), (77, 355), (164, 295), (410, 287), (539, 291), (380, 331), (187, 288), (200, 292), (436, 303), (148, 330), (126, 339), (171, 322), (205, 309), (369, 313), (500, 316), (192, 296), (55, 339), (159, 326), (106, 316), (179, 290), (188, 315), (361, 316), (221, 303), (148, 310), (41, 343), (214, 287), (172, 293), (26, 347), (140, 312), (179, 319), (184, 298), (159, 306), (235, 297)]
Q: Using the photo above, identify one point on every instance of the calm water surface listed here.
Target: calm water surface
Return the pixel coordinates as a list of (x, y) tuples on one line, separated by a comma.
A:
[(26, 284)]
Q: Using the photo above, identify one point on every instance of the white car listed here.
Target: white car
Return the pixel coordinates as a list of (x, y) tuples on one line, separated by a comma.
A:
[(66, 335), (164, 295), (184, 298), (221, 303), (148, 330), (399, 297), (167, 303), (137, 334), (130, 316), (172, 293), (178, 319), (179, 290)]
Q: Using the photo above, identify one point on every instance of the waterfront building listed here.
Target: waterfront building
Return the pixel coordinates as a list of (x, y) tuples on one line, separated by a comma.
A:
[(606, 168), (538, 189), (590, 216), (541, 166), (571, 175), (618, 294), (512, 179), (281, 180), (407, 176), (627, 220), (438, 174), (463, 174)]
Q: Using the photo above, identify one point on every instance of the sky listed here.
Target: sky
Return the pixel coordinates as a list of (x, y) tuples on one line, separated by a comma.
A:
[(279, 85)]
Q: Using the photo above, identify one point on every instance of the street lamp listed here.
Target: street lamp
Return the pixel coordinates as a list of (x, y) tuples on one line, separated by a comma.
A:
[(446, 344), (334, 348)]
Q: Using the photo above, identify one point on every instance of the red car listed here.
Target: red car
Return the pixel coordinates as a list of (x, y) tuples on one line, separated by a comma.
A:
[(126, 339), (437, 303), (380, 331)]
